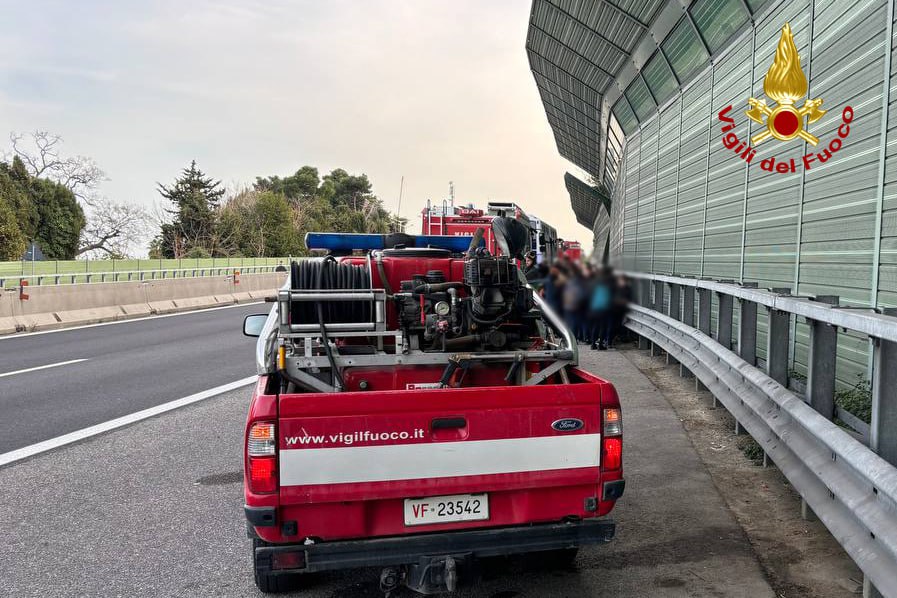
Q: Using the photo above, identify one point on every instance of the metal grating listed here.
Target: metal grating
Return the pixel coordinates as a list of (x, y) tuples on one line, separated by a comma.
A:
[(587, 201), (576, 50)]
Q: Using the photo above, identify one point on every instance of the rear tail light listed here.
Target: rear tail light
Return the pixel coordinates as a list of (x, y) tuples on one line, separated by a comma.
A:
[(261, 448), (613, 453), (612, 445), (262, 440), (613, 422)]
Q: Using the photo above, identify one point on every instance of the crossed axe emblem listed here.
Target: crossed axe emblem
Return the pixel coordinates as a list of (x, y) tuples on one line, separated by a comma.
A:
[(784, 121)]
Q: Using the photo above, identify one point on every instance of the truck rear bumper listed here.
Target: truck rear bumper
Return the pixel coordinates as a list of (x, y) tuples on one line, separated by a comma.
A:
[(404, 550)]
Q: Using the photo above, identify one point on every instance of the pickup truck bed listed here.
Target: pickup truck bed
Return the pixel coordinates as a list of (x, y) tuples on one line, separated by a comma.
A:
[(403, 474)]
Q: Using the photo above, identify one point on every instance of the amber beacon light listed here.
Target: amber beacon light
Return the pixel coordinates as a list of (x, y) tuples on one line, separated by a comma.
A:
[(785, 83)]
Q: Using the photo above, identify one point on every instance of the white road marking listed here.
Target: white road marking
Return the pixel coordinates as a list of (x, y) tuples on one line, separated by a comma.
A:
[(53, 443), (15, 335), (41, 367)]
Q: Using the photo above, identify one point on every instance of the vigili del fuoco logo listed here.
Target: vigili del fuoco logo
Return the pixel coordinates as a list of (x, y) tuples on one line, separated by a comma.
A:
[(784, 84)]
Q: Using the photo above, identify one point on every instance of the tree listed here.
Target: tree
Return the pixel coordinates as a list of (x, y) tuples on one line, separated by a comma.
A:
[(260, 224), (39, 152), (301, 186), (194, 198), (270, 219), (112, 227), (14, 183), (61, 219), (37, 209), (12, 241), (343, 190)]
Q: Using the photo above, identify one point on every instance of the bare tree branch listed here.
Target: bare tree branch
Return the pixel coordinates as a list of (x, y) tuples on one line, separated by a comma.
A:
[(39, 151), (112, 228)]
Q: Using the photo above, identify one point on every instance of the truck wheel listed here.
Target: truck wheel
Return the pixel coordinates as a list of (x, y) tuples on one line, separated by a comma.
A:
[(268, 582)]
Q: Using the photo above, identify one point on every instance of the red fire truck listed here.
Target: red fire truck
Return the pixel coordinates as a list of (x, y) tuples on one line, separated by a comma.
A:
[(449, 219), (452, 220), (571, 250), (419, 408)]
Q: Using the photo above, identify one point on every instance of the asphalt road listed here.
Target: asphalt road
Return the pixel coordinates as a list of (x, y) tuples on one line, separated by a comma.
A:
[(154, 510), (128, 366)]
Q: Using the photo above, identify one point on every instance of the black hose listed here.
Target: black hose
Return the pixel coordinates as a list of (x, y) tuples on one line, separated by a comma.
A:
[(323, 275), (327, 275), (336, 377), (436, 287), (488, 321)]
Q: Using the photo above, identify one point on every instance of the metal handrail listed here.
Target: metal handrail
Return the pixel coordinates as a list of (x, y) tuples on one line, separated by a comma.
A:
[(140, 275), (852, 488), (871, 324)]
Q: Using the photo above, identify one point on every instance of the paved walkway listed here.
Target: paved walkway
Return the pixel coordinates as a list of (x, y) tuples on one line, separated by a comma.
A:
[(155, 510), (675, 535)]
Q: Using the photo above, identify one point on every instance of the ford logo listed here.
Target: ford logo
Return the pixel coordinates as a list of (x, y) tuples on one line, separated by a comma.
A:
[(568, 424)]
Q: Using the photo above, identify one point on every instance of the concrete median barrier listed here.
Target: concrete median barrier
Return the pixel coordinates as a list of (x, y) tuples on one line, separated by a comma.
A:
[(59, 306), (90, 315), (136, 310)]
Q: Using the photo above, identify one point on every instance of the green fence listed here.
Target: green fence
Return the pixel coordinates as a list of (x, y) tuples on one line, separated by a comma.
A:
[(63, 271)]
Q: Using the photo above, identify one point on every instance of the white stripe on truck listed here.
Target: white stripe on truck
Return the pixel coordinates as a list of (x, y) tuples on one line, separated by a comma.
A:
[(300, 467)]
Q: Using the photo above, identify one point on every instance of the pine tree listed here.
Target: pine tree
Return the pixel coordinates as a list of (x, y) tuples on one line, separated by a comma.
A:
[(194, 198)]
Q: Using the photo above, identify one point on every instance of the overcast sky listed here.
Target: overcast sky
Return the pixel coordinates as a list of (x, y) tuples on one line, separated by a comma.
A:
[(426, 89)]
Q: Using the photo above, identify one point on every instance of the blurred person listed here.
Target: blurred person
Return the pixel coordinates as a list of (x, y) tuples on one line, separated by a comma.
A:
[(622, 296), (600, 308), (553, 288), (530, 269), (574, 302)]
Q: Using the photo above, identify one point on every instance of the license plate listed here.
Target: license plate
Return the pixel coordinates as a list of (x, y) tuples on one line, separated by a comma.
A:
[(446, 509)]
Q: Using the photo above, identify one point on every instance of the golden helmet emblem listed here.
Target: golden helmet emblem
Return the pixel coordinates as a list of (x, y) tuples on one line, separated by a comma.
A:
[(785, 83)]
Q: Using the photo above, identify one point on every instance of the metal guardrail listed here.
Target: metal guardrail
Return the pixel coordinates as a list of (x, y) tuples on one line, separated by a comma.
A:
[(852, 488), (129, 275)]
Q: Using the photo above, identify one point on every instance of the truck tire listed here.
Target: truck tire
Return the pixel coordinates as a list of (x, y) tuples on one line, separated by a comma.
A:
[(270, 583)]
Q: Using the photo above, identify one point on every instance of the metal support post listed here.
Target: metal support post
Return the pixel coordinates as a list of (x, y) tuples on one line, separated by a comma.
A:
[(644, 299), (724, 320), (644, 292), (883, 430), (747, 328), (704, 304), (806, 512), (688, 306), (658, 296), (675, 308), (883, 433), (658, 307), (688, 317), (777, 341), (821, 363), (674, 311), (821, 375), (705, 300)]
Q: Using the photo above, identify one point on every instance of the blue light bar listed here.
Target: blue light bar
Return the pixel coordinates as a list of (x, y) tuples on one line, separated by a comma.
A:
[(345, 242)]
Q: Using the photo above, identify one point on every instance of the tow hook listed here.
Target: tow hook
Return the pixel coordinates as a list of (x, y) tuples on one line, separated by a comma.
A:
[(451, 574), (390, 578), (438, 574)]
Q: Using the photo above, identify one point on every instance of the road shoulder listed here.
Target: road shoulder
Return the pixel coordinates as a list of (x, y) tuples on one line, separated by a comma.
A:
[(801, 558)]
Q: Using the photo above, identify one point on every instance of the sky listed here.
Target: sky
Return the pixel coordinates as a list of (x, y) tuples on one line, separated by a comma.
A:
[(428, 90)]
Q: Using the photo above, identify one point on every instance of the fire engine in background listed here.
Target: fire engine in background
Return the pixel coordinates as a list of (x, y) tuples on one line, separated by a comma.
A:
[(449, 219), (545, 240), (571, 250), (418, 407)]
